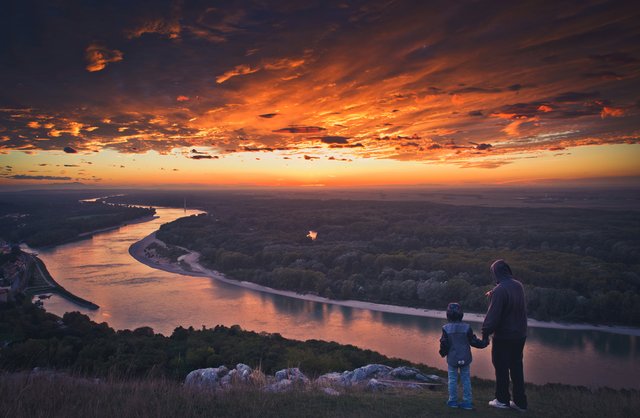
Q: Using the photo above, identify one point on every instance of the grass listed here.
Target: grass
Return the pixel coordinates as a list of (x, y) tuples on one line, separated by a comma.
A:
[(25, 395)]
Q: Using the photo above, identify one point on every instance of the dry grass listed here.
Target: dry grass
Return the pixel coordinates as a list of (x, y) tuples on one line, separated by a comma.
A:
[(24, 395)]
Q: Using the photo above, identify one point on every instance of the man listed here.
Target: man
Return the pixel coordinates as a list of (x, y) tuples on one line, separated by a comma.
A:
[(506, 319)]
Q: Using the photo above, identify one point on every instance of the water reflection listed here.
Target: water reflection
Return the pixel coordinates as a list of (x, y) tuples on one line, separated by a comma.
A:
[(131, 295)]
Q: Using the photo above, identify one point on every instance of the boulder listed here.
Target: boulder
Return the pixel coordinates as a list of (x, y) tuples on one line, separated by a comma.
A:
[(331, 392), (244, 371), (294, 374), (367, 372), (375, 386), (206, 378), (282, 385), (435, 378), (333, 378)]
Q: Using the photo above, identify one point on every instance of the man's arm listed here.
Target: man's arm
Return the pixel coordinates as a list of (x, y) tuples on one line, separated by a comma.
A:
[(494, 313)]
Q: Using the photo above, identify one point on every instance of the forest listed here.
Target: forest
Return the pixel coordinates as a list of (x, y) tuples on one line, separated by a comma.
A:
[(41, 218), (576, 264), (31, 337)]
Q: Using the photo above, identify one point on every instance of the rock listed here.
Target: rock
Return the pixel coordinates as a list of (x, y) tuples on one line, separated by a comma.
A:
[(404, 372), (435, 378), (294, 374), (370, 370), (206, 378), (331, 392), (279, 386), (375, 386), (244, 371), (227, 380), (333, 378)]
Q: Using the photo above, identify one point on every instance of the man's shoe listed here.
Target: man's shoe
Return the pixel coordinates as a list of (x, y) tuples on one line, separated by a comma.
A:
[(497, 404), (513, 405), (452, 404)]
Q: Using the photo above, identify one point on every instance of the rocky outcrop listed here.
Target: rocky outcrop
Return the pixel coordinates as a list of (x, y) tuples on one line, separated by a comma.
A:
[(372, 377), (397, 376)]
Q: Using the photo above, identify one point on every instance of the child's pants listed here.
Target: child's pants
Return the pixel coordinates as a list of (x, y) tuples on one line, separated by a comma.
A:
[(465, 378)]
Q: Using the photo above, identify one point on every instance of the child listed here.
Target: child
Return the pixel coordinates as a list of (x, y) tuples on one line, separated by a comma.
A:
[(457, 337)]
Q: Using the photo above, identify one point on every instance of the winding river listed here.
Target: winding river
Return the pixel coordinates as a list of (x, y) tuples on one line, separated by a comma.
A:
[(131, 295)]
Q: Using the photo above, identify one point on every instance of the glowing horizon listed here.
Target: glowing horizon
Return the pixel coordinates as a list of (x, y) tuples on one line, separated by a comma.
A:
[(329, 93)]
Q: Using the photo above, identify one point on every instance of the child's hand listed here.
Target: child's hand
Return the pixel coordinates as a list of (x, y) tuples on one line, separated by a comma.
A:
[(488, 294)]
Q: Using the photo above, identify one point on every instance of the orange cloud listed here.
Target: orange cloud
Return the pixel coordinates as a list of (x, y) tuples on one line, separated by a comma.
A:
[(545, 108), (170, 28), (98, 57), (183, 98), (271, 65), (236, 71), (614, 112)]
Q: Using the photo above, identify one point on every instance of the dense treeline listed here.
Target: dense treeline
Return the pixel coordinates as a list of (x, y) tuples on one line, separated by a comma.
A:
[(577, 264), (51, 218), (31, 337)]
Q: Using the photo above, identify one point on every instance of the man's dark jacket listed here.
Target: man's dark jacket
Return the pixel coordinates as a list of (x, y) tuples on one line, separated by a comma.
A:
[(507, 315)]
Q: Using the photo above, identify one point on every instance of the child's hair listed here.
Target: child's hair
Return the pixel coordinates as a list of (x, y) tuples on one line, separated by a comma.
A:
[(454, 312)]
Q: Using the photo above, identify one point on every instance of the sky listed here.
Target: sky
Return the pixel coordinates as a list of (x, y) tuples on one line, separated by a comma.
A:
[(318, 93)]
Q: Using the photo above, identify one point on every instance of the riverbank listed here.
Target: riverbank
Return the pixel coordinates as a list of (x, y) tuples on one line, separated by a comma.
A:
[(51, 286), (136, 250), (120, 225)]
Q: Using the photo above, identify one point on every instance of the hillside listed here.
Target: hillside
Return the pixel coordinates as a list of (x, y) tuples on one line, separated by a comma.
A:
[(89, 369)]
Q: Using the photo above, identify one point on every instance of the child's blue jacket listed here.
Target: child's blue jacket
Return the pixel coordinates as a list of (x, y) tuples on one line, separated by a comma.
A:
[(456, 342)]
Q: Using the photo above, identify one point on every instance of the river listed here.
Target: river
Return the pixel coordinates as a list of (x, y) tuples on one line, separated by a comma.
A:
[(131, 295)]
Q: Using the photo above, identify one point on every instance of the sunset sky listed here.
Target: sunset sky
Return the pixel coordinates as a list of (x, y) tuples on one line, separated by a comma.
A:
[(334, 93)]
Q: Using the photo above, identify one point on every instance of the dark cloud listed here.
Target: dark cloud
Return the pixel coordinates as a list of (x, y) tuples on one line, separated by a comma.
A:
[(203, 157), (572, 96), (268, 115), (29, 177), (604, 75), (71, 165), (480, 90), (614, 58), (69, 150), (356, 145), (482, 147), (332, 139), (300, 130)]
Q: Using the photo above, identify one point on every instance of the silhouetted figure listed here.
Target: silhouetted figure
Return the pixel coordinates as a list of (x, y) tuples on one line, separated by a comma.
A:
[(506, 319)]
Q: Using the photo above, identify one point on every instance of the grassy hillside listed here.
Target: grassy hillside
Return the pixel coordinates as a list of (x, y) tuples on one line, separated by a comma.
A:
[(67, 397)]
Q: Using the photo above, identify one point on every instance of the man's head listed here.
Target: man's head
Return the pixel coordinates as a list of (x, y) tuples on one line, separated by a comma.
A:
[(454, 312), (501, 270)]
